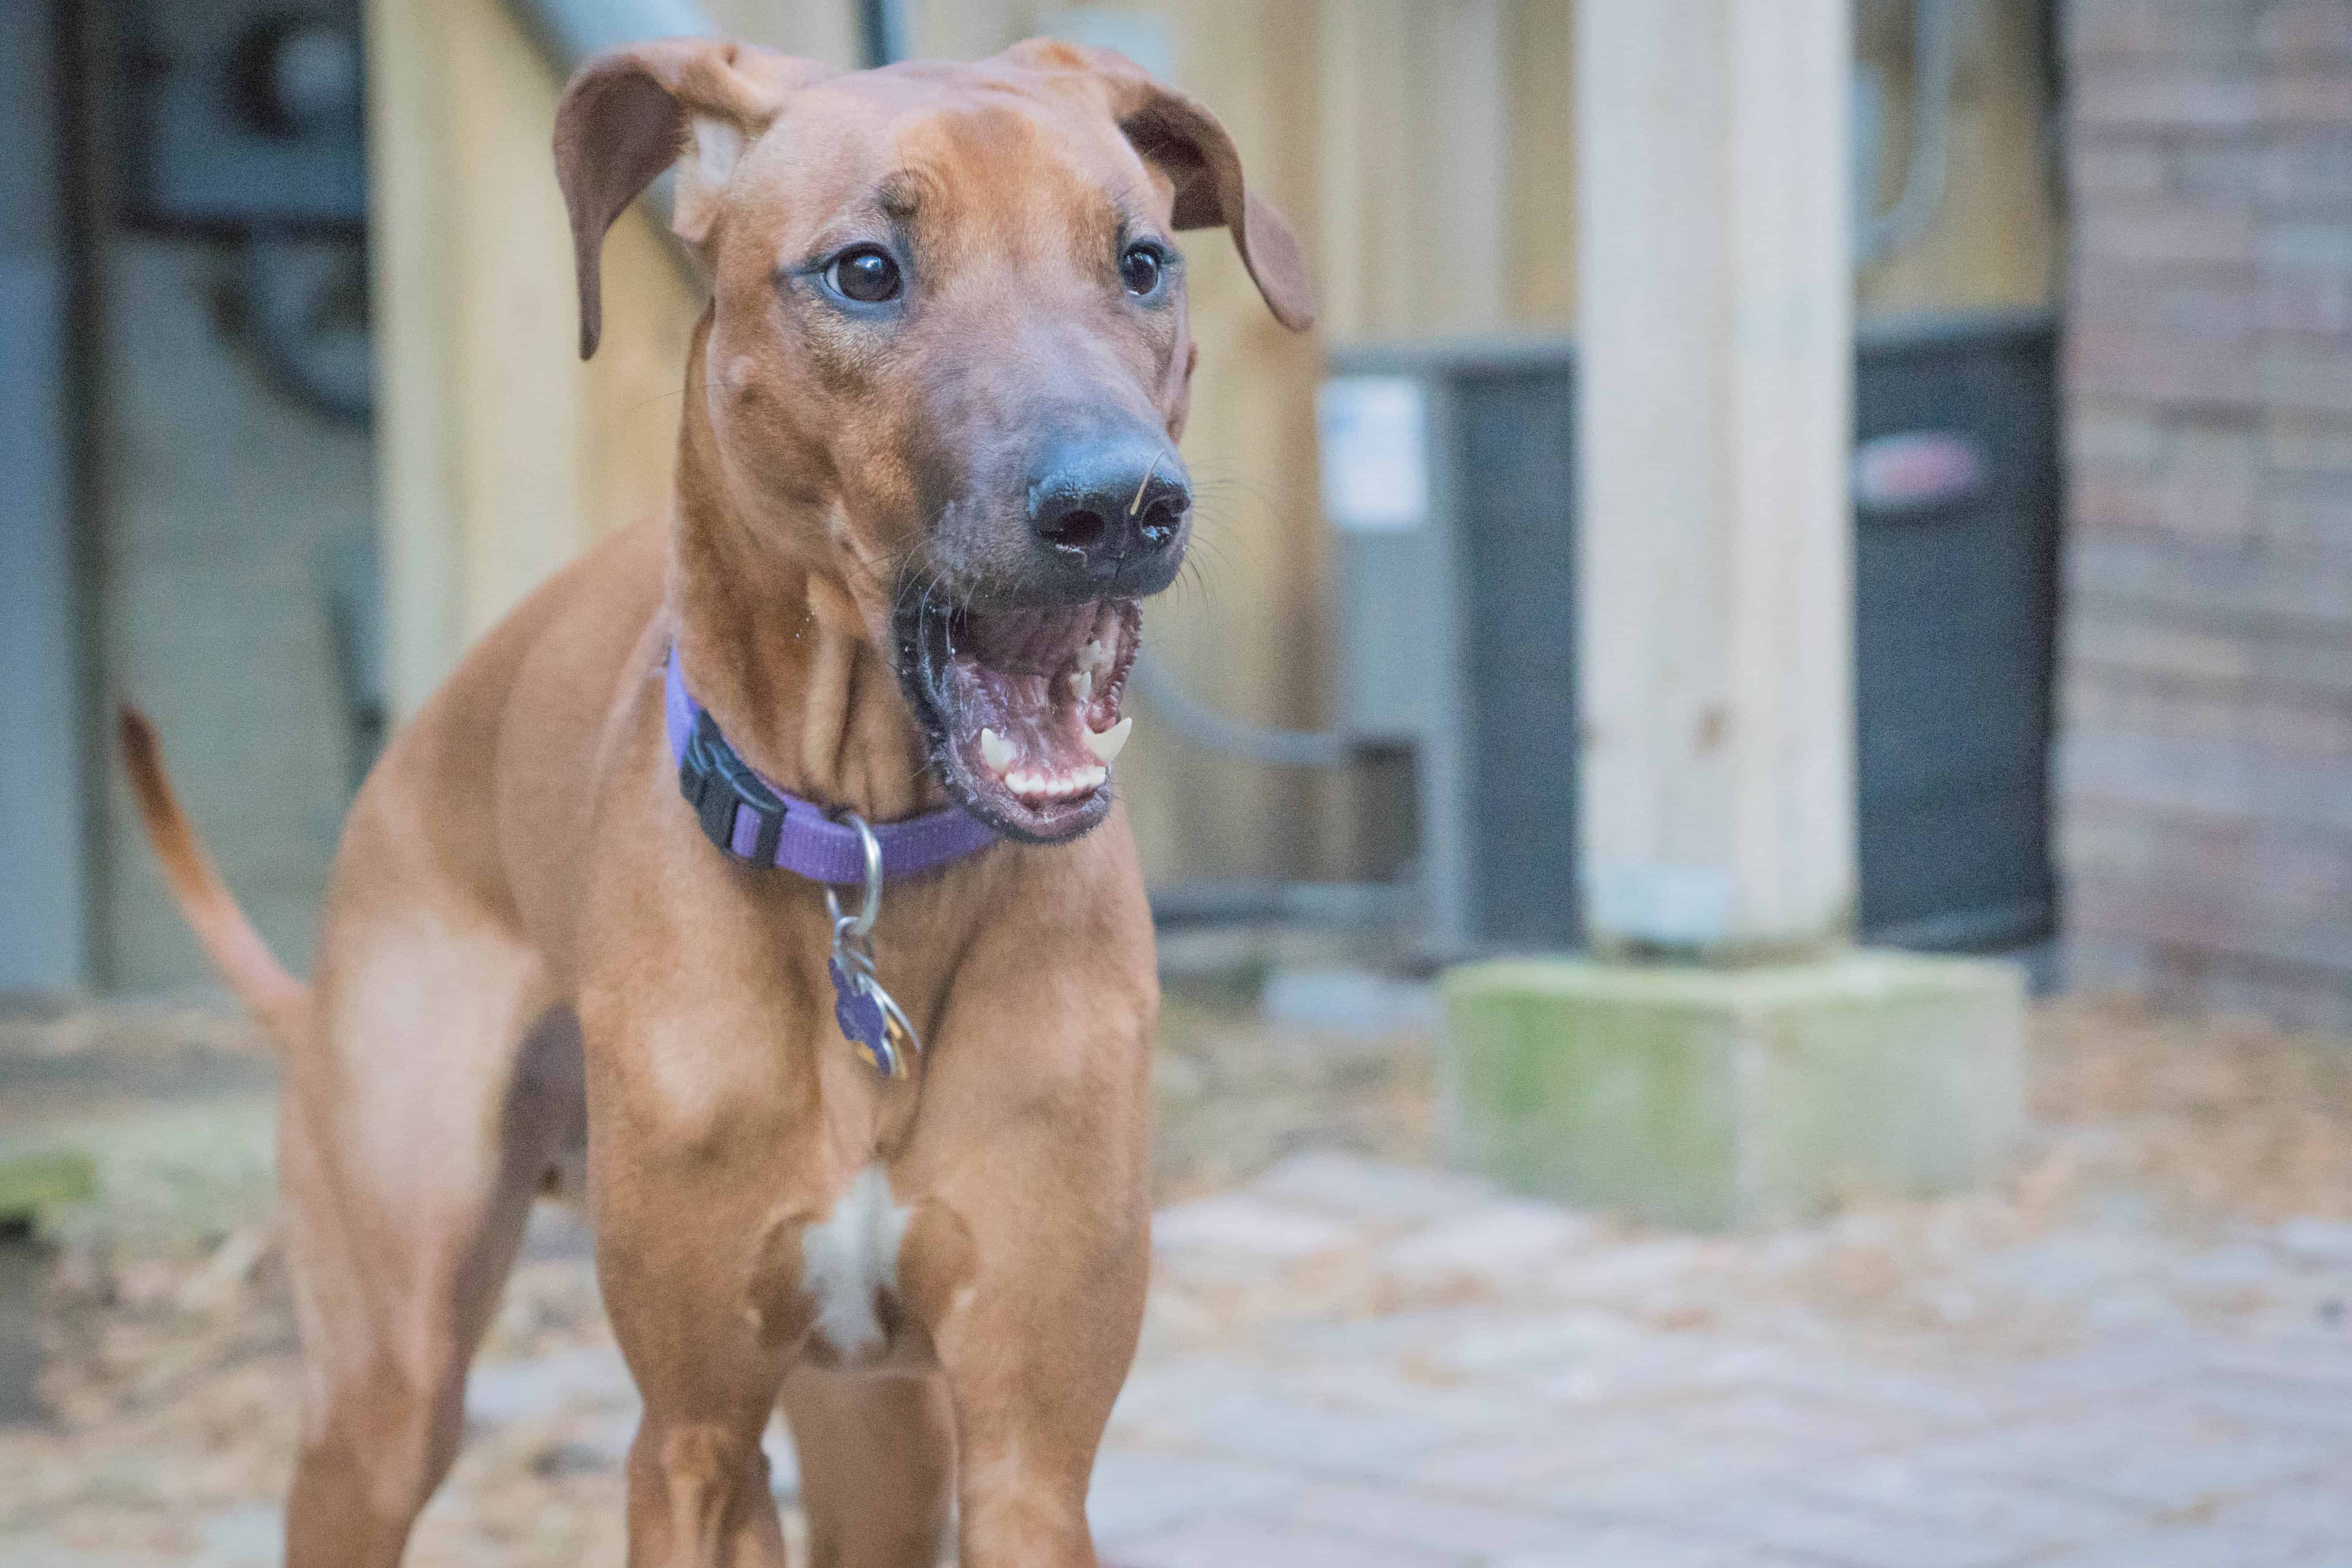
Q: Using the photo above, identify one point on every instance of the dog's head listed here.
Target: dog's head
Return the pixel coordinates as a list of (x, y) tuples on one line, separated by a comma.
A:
[(947, 321)]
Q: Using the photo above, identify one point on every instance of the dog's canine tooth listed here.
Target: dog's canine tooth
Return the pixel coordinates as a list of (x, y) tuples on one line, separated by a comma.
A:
[(997, 751), (1107, 743)]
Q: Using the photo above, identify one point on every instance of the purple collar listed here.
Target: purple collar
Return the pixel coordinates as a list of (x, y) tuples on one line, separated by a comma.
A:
[(752, 819)]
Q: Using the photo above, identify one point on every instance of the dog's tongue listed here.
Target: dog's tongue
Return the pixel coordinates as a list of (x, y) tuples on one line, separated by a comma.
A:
[(1037, 696)]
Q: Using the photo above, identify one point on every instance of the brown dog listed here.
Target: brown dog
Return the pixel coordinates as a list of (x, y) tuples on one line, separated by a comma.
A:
[(926, 469)]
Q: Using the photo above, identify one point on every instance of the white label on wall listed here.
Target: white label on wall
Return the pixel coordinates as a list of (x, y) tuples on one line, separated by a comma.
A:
[(1662, 904), (1918, 469), (1373, 431)]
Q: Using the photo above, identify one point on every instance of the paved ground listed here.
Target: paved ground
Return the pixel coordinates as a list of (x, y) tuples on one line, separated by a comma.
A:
[(1498, 1383), (2134, 1354)]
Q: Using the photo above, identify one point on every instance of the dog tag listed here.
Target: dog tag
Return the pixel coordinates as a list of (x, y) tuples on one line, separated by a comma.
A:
[(863, 1022), (874, 1026)]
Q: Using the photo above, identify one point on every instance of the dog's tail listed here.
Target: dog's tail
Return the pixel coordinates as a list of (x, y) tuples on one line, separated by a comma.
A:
[(252, 971)]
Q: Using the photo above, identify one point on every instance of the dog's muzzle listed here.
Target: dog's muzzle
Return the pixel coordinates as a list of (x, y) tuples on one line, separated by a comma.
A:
[(1021, 706)]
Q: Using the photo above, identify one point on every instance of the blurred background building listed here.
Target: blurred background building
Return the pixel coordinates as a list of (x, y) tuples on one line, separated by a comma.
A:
[(1363, 707), (2205, 755)]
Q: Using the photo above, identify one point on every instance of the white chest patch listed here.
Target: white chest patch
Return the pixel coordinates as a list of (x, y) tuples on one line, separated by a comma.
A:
[(850, 1258)]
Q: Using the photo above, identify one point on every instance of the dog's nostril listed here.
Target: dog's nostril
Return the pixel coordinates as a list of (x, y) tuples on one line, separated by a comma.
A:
[(1160, 522), (1076, 529)]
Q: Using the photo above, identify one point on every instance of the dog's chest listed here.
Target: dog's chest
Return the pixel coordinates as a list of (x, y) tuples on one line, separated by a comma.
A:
[(849, 1264)]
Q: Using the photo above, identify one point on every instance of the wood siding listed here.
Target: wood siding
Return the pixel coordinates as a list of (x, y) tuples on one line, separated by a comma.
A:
[(1423, 148)]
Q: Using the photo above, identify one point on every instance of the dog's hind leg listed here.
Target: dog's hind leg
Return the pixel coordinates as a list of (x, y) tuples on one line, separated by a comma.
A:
[(877, 1466), (412, 1134)]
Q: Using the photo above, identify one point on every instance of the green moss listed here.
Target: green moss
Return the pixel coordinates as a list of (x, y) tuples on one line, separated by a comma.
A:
[(1711, 1097), (33, 1185)]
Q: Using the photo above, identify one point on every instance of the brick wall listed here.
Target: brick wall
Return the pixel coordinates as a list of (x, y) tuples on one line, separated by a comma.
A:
[(2205, 757)]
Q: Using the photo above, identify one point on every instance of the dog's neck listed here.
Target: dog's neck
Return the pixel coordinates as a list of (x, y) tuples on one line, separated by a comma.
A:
[(775, 648)]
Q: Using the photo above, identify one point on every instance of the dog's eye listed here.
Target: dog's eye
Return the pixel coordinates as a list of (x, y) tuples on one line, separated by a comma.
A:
[(1140, 268), (866, 275)]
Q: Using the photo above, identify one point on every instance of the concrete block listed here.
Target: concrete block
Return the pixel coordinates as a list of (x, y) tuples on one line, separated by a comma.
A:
[(31, 1185), (1718, 1097)]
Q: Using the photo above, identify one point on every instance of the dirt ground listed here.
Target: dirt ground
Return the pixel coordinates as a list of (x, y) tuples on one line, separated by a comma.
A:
[(172, 1379)]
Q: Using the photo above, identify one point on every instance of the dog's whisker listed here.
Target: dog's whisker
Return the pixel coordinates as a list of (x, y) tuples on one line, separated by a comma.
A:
[(644, 403)]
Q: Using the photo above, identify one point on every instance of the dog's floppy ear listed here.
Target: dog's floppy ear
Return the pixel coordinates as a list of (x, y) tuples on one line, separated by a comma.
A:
[(628, 115), (1184, 141)]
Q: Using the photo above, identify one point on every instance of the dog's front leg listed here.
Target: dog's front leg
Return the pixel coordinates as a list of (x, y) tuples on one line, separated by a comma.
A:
[(1033, 1304), (684, 1188), (697, 1482)]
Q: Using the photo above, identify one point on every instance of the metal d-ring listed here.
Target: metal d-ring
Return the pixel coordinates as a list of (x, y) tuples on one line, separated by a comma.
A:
[(857, 927), (853, 957)]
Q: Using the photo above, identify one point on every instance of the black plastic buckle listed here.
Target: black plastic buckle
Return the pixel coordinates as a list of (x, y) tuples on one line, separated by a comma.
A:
[(715, 781)]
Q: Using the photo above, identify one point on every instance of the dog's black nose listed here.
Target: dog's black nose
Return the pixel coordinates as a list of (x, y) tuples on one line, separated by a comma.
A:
[(1112, 509)]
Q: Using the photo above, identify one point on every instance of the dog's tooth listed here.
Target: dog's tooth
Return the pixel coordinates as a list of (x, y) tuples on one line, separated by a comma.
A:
[(1109, 742), (1083, 685), (997, 751), (1091, 777), (1093, 656)]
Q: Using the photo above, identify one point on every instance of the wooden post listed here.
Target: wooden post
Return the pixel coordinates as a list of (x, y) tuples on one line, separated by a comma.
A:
[(1714, 324), (1716, 602)]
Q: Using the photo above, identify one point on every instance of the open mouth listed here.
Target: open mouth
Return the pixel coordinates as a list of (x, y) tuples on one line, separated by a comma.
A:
[(1023, 708)]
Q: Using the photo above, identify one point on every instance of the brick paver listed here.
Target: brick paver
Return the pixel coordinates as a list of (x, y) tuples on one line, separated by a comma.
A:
[(1357, 1365), (1382, 1367)]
